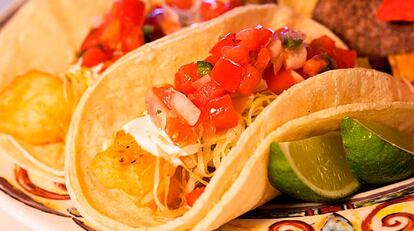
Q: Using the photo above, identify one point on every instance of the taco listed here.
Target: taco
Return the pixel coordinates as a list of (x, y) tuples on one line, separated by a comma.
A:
[(25, 48), (37, 106), (23, 42), (161, 157), (319, 123)]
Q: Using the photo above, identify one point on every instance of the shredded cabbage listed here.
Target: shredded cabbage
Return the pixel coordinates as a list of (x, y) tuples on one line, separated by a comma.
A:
[(202, 165), (76, 80), (197, 169)]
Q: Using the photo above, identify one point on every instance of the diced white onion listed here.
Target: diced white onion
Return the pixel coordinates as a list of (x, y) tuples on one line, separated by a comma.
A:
[(294, 59)]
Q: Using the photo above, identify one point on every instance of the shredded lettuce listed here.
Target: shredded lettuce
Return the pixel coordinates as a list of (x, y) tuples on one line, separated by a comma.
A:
[(76, 80), (213, 151), (198, 169)]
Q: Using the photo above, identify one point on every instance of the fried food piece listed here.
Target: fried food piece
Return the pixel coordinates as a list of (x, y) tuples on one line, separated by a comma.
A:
[(126, 166), (35, 108)]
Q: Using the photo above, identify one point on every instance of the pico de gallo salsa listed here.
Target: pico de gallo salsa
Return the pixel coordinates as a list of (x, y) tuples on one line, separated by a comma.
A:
[(128, 25), (206, 109), (240, 63)]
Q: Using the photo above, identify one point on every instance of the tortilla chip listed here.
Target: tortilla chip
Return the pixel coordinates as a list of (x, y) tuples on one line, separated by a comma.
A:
[(402, 65)]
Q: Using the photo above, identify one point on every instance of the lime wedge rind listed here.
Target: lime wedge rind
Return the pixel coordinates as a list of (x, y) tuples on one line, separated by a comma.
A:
[(293, 187), (331, 143), (299, 169), (390, 135), (371, 158)]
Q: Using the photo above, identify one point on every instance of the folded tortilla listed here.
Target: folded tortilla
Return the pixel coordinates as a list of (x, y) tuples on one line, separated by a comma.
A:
[(43, 35), (240, 197), (240, 182)]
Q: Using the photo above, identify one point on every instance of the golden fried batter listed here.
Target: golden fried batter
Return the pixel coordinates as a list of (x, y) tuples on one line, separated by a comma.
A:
[(126, 166), (35, 108)]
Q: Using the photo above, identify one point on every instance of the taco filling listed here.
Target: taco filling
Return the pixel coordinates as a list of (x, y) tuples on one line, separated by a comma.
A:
[(131, 23), (42, 118), (165, 158)]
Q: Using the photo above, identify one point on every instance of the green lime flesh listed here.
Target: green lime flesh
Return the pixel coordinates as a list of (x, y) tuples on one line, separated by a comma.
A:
[(312, 169), (377, 154)]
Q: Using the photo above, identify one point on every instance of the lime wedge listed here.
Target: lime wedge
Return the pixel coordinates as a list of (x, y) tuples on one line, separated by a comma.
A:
[(312, 169), (377, 154)]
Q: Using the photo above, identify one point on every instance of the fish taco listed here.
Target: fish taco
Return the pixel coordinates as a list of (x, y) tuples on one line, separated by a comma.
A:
[(55, 59), (164, 140)]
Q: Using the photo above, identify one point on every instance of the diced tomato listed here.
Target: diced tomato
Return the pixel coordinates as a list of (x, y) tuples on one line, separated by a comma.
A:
[(315, 65), (182, 4), (132, 38), (228, 74), (192, 197), (119, 32), (233, 3), (164, 92), (344, 58), (321, 45), (396, 10), (325, 45), (132, 12), (128, 11), (240, 102), (254, 38), (207, 92), (184, 78), (110, 34), (263, 59), (227, 40), (176, 127), (211, 9), (92, 39), (212, 59), (114, 12), (283, 80), (208, 129), (179, 131), (222, 113), (250, 80), (94, 56), (198, 84), (176, 101), (238, 54)]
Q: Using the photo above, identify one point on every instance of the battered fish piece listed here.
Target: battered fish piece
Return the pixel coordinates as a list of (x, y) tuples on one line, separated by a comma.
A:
[(125, 165), (36, 108)]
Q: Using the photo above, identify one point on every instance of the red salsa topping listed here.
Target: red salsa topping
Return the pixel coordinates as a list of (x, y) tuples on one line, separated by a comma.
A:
[(205, 96), (127, 26), (119, 33)]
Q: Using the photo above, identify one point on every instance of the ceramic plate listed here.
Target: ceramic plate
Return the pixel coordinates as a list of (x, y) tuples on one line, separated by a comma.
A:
[(44, 205)]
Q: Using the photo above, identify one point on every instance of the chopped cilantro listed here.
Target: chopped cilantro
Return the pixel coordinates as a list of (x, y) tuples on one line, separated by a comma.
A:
[(204, 68)]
